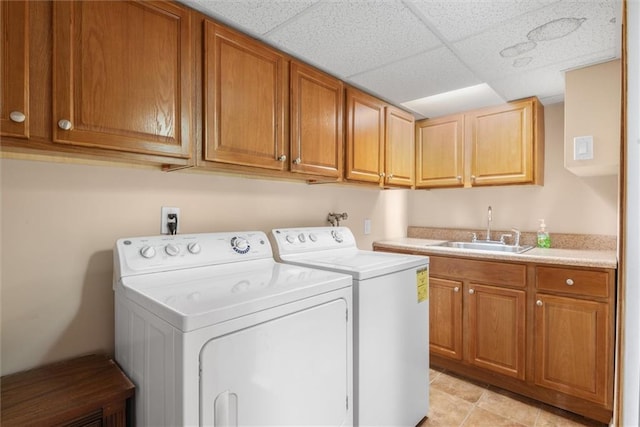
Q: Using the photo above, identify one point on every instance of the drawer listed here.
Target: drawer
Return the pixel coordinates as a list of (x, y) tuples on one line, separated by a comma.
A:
[(574, 281), (492, 273)]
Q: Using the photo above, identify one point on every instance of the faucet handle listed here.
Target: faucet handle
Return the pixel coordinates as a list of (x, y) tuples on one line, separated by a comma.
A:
[(504, 236), (516, 241), (474, 237)]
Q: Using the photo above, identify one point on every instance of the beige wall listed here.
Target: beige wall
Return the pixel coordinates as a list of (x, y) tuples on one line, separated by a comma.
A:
[(568, 203), (60, 221)]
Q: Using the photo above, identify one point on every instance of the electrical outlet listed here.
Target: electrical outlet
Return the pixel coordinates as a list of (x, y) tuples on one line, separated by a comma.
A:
[(165, 219)]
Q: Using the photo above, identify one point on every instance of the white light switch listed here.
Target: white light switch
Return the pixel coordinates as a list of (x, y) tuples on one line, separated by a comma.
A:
[(583, 148), (367, 226)]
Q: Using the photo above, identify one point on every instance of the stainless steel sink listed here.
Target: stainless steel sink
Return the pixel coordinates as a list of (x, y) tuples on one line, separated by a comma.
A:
[(487, 246)]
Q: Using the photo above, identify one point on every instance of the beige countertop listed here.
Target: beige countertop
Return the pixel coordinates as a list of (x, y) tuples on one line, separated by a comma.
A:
[(569, 257)]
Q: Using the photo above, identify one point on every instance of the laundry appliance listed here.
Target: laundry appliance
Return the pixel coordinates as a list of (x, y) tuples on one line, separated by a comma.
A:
[(214, 332), (391, 320)]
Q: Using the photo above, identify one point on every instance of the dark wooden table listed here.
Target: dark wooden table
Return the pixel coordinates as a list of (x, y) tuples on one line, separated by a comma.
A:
[(87, 391)]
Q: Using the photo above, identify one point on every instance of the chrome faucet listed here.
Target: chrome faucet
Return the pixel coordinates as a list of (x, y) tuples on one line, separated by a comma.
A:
[(489, 224)]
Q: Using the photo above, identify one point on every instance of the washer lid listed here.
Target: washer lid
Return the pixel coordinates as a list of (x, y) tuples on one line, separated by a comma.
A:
[(361, 265), (199, 297)]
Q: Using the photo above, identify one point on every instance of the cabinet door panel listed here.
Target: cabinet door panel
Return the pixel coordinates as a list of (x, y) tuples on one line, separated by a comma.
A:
[(445, 317), (365, 136), (122, 76), (14, 68), (502, 145), (316, 122), (399, 148), (440, 152), (496, 333), (572, 347), (245, 90)]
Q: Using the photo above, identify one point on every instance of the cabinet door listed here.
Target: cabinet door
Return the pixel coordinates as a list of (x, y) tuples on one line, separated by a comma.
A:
[(123, 76), (245, 91), (445, 317), (496, 330), (573, 345), (14, 69), (502, 145), (365, 137), (399, 148), (317, 103), (440, 152)]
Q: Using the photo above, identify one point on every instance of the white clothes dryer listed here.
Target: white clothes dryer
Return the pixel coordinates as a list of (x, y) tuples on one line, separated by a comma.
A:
[(391, 320), (214, 332)]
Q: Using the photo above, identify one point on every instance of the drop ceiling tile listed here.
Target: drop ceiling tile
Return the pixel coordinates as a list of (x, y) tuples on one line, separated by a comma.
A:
[(254, 16), (544, 83), (456, 20), (597, 33), (426, 74), (349, 37)]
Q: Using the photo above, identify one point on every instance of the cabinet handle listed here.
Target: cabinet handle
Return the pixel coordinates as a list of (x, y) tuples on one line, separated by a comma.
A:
[(569, 282), (459, 178), (297, 161), (282, 158), (390, 176), (381, 174), (473, 177), (539, 303), (17, 116), (65, 124), (456, 289), (471, 291)]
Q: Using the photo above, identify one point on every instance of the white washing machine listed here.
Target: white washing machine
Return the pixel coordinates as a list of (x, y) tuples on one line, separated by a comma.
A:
[(391, 320), (214, 332)]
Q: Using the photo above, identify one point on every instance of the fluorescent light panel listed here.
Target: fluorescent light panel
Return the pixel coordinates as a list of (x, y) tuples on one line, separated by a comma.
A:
[(455, 101)]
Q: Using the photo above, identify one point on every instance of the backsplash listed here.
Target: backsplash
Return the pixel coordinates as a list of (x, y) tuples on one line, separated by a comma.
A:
[(558, 240)]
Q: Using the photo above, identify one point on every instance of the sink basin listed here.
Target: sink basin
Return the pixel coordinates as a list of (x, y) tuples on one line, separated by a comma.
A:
[(487, 246)]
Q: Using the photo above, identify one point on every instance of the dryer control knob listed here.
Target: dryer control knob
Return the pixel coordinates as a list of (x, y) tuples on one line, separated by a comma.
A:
[(302, 238), (240, 245), (337, 236), (194, 247), (172, 250), (313, 237), (291, 238), (148, 251)]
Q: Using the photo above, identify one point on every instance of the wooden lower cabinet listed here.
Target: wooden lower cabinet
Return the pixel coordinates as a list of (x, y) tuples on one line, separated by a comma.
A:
[(540, 330)]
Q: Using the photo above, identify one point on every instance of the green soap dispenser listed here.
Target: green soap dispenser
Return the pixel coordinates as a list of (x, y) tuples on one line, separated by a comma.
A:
[(544, 240)]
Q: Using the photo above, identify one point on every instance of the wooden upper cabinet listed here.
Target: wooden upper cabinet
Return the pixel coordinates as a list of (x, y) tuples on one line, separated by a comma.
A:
[(574, 347), (365, 137), (502, 141), (497, 332), (122, 75), (14, 69), (245, 87), (491, 146), (399, 148), (317, 104), (440, 152)]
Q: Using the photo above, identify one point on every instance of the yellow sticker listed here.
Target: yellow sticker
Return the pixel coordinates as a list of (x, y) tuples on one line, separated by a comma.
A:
[(422, 282)]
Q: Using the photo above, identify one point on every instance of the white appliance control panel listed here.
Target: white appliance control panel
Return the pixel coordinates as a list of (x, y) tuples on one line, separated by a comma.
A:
[(138, 255), (297, 240)]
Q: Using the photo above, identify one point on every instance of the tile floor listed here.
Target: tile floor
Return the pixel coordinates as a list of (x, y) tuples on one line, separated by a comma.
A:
[(458, 402)]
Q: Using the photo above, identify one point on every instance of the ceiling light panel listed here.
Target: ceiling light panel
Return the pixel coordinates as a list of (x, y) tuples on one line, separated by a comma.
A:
[(426, 74), (350, 37), (596, 33)]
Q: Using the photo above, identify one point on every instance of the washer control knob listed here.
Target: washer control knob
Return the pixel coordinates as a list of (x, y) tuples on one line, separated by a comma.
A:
[(291, 238), (194, 247), (302, 238), (172, 250), (148, 251), (240, 245), (337, 236), (313, 237)]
